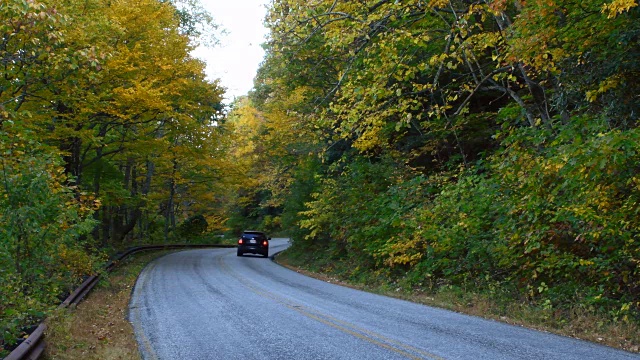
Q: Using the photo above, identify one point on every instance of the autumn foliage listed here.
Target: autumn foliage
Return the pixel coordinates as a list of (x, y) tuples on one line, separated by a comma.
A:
[(108, 136), (484, 144), (433, 144)]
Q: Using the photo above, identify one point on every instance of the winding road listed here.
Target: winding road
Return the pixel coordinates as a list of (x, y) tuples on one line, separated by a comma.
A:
[(211, 304)]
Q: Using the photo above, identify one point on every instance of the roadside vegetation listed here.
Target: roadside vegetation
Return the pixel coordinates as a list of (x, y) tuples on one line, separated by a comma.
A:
[(108, 139), (455, 147), (485, 149), (98, 328), (575, 322)]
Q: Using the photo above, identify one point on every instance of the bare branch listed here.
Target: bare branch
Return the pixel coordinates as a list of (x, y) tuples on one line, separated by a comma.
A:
[(486, 78)]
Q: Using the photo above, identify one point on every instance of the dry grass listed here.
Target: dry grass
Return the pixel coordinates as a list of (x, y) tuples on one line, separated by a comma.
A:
[(98, 327), (577, 323)]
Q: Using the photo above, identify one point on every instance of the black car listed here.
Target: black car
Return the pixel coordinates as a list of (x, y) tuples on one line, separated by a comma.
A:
[(254, 242)]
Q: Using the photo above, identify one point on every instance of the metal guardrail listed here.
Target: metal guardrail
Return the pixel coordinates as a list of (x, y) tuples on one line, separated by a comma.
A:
[(33, 347)]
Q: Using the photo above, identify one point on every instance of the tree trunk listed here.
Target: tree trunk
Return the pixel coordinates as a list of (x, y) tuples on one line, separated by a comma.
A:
[(170, 219)]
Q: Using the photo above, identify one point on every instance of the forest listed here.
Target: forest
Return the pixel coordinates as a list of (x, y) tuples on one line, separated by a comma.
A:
[(109, 136), (490, 146), (453, 144)]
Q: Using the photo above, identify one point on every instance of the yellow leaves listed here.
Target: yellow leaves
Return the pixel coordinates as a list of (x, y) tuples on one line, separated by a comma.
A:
[(369, 139), (606, 85), (437, 59), (402, 251), (617, 7), (74, 260), (584, 262), (486, 40), (438, 3)]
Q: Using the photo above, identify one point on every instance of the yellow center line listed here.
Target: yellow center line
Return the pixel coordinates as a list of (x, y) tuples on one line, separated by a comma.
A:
[(338, 324), (386, 339), (354, 333)]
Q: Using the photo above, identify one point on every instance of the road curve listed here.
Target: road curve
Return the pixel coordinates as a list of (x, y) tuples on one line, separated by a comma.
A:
[(211, 304)]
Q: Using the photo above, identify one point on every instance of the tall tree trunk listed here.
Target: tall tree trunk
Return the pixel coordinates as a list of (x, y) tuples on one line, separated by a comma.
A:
[(96, 192), (106, 224), (72, 147), (135, 214), (169, 214)]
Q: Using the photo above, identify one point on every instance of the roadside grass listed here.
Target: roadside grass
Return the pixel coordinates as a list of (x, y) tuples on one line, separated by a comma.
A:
[(98, 327), (577, 322)]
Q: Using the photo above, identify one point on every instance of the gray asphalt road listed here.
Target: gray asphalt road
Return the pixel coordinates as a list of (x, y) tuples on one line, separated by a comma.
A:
[(210, 304)]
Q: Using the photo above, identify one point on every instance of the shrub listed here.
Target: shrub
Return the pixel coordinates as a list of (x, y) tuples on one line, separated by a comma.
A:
[(192, 227), (44, 223)]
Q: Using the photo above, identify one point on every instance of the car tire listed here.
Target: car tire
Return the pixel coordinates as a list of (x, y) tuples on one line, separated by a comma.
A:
[(239, 253), (265, 254)]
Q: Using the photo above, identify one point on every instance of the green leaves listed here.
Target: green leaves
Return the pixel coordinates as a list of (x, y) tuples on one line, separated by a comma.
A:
[(41, 227), (105, 121), (456, 143)]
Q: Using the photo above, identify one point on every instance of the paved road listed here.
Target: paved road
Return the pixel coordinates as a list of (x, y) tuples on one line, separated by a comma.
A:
[(210, 304)]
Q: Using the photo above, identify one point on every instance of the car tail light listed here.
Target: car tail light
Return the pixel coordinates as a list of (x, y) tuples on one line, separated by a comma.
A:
[(240, 242), (265, 243)]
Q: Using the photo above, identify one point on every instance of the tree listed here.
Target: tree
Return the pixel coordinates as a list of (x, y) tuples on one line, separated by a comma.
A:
[(109, 129), (457, 142)]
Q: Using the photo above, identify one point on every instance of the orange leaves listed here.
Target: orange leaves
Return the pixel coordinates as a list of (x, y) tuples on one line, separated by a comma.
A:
[(498, 6)]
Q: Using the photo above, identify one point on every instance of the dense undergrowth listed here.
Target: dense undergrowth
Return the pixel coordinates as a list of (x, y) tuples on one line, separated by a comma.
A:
[(542, 233), (485, 146), (98, 328), (490, 146), (107, 140), (552, 218), (44, 252), (494, 302)]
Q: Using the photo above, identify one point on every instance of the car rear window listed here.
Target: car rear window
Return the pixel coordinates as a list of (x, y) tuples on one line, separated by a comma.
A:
[(253, 235)]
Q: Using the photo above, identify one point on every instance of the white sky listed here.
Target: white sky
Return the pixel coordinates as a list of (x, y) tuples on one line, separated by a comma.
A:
[(236, 60)]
